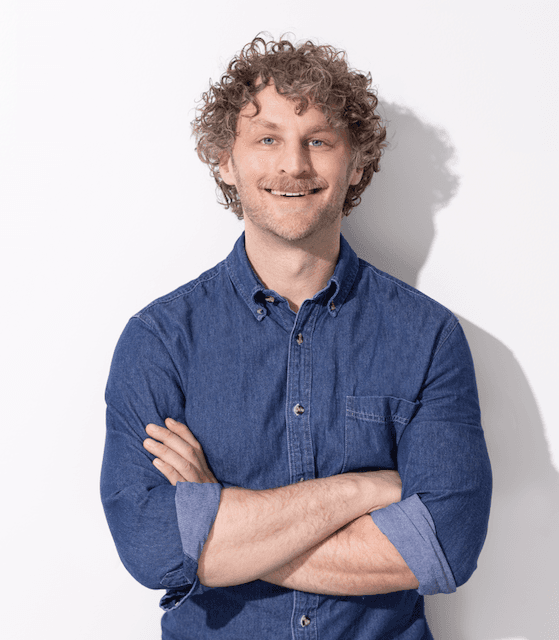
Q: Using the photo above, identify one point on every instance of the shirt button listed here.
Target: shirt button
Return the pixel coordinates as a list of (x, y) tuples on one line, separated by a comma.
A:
[(270, 299), (300, 339), (298, 409), (259, 311), (305, 621), (332, 306)]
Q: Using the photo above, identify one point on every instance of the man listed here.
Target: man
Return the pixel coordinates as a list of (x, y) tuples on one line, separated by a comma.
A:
[(318, 459)]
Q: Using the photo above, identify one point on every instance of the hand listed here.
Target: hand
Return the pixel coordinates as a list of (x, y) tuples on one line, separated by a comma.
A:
[(179, 455)]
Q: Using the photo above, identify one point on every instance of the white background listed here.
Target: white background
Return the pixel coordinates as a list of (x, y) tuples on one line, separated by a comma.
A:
[(105, 206)]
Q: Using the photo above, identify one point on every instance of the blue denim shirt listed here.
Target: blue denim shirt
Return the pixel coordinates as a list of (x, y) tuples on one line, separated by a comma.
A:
[(386, 381)]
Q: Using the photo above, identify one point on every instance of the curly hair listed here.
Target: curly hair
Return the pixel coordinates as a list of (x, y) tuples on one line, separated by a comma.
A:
[(308, 74)]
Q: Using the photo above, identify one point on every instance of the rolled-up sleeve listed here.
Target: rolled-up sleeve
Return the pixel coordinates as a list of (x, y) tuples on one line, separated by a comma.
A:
[(159, 530), (410, 528), (440, 526)]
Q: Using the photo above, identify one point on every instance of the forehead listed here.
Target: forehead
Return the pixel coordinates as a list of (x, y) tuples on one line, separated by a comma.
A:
[(277, 111)]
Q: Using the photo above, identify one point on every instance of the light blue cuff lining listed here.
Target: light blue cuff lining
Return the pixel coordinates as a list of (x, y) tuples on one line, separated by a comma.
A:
[(197, 505), (410, 528)]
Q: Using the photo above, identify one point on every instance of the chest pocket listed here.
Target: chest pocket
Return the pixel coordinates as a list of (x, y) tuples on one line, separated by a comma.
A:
[(373, 427)]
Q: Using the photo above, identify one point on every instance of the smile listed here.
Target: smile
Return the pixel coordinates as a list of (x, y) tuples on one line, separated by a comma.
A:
[(298, 194)]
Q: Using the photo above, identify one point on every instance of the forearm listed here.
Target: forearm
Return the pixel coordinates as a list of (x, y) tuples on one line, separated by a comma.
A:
[(257, 532), (356, 560)]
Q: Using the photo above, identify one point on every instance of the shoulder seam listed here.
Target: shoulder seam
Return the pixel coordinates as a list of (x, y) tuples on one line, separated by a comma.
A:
[(404, 286), (155, 334), (179, 293), (447, 335)]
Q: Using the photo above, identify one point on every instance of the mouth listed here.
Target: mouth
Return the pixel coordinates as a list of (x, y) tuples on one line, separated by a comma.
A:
[(297, 194)]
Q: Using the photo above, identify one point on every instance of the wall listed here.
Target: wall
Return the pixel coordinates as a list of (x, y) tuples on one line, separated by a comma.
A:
[(105, 207)]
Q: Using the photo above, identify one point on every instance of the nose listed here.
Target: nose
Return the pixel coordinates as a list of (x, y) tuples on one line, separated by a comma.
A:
[(295, 160)]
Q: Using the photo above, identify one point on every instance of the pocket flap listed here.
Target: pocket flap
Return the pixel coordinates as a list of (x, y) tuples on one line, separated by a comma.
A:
[(385, 409)]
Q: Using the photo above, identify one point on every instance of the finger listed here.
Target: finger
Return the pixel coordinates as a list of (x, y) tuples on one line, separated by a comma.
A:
[(173, 441), (191, 462), (185, 434), (172, 475), (188, 473), (182, 431), (168, 455)]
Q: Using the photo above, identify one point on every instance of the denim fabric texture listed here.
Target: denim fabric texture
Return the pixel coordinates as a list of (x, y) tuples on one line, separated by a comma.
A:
[(385, 380)]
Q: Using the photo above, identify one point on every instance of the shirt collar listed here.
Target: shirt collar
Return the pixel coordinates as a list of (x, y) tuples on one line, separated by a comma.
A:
[(254, 293)]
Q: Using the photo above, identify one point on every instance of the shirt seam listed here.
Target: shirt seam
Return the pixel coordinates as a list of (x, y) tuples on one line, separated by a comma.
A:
[(373, 417), (445, 337), (179, 293), (405, 287), (153, 330)]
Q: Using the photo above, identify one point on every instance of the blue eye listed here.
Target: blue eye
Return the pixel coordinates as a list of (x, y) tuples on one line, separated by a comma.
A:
[(316, 143), (268, 141)]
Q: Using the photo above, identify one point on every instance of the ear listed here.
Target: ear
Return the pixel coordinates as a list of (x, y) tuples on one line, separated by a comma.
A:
[(356, 176), (226, 169)]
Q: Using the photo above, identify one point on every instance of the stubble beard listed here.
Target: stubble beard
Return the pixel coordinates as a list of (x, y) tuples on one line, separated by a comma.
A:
[(292, 226)]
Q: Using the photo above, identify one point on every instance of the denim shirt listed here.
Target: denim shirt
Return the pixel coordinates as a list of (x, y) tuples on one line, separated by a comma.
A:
[(369, 374)]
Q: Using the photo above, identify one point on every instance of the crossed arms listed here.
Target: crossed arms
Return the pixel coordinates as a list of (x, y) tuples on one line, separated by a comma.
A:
[(314, 536)]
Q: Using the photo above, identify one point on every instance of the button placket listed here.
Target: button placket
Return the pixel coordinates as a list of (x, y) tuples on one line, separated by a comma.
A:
[(305, 616), (302, 462)]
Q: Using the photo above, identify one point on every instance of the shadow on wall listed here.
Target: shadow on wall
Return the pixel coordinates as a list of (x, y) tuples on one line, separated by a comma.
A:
[(515, 591), (393, 228)]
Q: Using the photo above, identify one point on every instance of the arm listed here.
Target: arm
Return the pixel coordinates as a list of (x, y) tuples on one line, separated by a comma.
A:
[(443, 461), (258, 532), (139, 503), (357, 560)]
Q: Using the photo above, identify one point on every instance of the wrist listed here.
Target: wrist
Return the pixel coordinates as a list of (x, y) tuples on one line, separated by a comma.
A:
[(378, 489)]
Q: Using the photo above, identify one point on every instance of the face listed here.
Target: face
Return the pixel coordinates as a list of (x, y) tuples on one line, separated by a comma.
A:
[(292, 172)]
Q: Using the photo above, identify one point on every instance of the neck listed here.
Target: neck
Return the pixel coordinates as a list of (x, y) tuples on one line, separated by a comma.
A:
[(294, 269)]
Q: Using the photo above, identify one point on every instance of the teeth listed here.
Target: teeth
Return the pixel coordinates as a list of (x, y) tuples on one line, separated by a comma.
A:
[(292, 195), (281, 193)]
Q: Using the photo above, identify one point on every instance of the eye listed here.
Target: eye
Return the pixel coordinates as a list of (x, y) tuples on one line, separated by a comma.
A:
[(316, 143), (268, 141)]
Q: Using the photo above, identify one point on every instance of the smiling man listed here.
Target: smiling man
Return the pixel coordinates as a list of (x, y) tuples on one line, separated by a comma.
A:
[(292, 171), (294, 447)]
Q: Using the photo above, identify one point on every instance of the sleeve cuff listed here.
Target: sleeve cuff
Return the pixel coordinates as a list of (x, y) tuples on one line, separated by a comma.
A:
[(196, 505), (410, 528)]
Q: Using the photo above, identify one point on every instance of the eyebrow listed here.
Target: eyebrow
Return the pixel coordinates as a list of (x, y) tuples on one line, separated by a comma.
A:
[(267, 124)]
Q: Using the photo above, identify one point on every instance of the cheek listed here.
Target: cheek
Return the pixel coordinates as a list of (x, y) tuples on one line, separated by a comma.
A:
[(248, 165)]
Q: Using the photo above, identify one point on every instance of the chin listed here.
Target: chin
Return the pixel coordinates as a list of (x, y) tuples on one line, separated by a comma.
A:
[(295, 222), (298, 230)]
